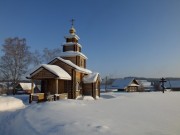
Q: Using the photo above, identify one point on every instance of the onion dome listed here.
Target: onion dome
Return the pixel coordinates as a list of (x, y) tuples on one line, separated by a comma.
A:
[(72, 30)]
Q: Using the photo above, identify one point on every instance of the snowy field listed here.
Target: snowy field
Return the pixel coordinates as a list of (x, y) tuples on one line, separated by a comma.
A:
[(152, 113)]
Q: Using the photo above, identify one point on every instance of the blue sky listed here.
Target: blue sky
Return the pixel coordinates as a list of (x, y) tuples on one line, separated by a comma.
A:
[(120, 37)]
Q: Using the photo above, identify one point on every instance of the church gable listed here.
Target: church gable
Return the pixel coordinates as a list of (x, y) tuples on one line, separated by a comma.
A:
[(43, 73)]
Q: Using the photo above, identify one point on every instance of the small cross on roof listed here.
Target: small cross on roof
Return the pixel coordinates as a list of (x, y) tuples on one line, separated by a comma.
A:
[(72, 22)]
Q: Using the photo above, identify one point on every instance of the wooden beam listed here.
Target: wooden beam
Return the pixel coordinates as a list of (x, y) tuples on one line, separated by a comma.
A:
[(56, 81), (32, 86)]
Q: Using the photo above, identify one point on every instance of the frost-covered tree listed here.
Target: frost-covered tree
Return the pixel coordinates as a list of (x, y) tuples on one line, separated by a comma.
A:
[(15, 59)]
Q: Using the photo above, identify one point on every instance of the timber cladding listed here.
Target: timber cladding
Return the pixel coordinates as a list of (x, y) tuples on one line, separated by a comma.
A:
[(78, 77), (68, 48), (87, 89), (44, 73), (61, 88), (51, 87), (80, 61), (74, 47), (72, 59), (71, 40)]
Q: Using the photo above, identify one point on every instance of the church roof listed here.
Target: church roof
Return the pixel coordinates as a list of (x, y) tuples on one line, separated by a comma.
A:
[(80, 69), (72, 36), (56, 70), (72, 54), (90, 78)]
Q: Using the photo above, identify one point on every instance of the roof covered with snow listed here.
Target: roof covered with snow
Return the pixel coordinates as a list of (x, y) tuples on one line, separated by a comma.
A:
[(26, 86), (71, 43), (144, 83), (90, 78), (56, 70), (72, 54), (72, 36), (80, 69), (123, 83)]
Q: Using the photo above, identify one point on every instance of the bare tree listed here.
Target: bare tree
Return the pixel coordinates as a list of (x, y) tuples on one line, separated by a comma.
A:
[(15, 60), (46, 56), (36, 58), (49, 54)]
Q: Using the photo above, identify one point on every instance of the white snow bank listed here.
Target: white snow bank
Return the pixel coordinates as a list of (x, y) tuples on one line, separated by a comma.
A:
[(10, 103), (85, 98)]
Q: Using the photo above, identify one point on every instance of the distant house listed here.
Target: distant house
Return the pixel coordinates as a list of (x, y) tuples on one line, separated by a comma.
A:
[(145, 85), (126, 84), (25, 88), (173, 85)]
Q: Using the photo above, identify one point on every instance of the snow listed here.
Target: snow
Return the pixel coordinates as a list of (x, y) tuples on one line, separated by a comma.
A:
[(146, 85), (72, 54), (85, 98), (80, 69), (58, 71), (10, 103), (72, 36), (90, 78), (152, 113)]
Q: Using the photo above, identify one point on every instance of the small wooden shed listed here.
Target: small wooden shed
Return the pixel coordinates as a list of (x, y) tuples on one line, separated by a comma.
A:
[(91, 85)]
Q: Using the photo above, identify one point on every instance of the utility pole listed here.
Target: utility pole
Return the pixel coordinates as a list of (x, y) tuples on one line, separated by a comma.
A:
[(106, 84), (162, 80)]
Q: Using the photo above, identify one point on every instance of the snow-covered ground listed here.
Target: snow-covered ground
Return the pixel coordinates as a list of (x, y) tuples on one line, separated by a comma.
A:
[(152, 113), (10, 103)]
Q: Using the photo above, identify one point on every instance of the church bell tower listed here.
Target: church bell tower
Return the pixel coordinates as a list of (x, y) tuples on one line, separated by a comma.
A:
[(72, 49)]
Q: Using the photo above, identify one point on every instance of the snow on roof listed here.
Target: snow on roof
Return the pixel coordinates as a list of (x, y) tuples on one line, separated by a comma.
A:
[(71, 43), (80, 69), (90, 78), (172, 84), (72, 53), (72, 36), (26, 86), (123, 83), (144, 83), (58, 71)]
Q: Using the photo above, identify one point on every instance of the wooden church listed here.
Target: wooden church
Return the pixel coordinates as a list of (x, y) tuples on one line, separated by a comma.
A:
[(67, 74)]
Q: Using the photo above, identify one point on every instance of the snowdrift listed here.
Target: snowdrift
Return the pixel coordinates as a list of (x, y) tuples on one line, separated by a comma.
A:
[(10, 103)]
